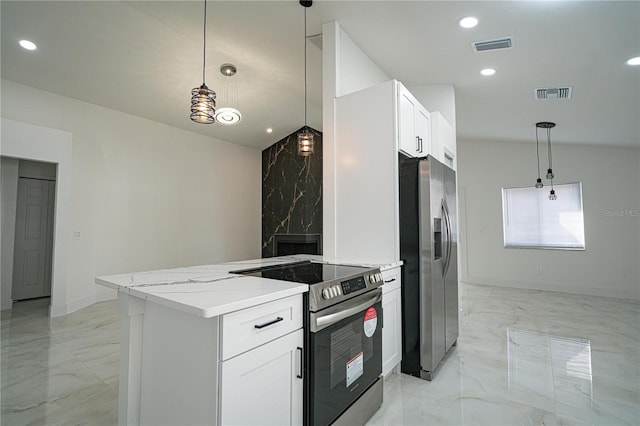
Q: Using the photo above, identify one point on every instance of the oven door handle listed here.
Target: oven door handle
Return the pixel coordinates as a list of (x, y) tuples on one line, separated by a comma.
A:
[(326, 320)]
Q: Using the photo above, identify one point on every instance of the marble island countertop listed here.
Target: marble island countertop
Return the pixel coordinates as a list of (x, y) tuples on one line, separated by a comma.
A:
[(208, 290), (211, 290)]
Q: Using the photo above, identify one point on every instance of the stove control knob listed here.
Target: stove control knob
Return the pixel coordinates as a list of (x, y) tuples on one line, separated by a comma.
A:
[(326, 294)]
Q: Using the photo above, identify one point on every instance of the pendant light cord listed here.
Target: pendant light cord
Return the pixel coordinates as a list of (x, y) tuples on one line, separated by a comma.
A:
[(549, 145), (305, 67), (538, 152), (204, 49)]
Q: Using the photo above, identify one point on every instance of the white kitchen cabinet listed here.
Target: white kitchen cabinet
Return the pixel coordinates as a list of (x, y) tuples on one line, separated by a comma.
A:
[(414, 130), (264, 386), (392, 330), (241, 367), (443, 140), (361, 171)]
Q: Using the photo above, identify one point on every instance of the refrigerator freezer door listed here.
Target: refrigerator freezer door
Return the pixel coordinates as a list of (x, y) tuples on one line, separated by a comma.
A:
[(432, 294)]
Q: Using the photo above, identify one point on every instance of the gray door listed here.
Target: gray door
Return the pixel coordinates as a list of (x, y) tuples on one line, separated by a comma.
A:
[(33, 239)]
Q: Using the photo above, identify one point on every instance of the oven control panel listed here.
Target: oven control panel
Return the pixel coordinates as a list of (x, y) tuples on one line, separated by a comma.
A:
[(351, 286)]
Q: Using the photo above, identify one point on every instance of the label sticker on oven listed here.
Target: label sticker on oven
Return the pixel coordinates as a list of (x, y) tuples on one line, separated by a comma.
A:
[(370, 322), (355, 368)]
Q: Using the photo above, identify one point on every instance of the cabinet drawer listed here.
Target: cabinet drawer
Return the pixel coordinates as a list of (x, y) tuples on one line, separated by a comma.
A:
[(251, 327), (391, 278)]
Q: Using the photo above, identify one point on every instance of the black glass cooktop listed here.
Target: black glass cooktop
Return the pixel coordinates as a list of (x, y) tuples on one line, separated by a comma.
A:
[(305, 272)]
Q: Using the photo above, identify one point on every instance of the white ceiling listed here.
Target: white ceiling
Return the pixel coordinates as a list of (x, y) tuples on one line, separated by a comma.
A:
[(144, 57)]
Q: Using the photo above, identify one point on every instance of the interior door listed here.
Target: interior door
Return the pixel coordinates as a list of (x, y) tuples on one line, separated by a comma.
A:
[(33, 239)]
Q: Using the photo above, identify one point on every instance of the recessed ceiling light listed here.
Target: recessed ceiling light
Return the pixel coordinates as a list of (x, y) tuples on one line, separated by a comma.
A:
[(488, 71), (29, 45), (269, 130), (634, 61), (468, 22)]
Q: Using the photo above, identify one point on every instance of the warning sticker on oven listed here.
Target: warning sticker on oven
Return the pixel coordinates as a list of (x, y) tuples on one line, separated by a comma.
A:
[(355, 368), (370, 322)]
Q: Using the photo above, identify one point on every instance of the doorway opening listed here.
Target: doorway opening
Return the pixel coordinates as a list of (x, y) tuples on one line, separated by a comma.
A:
[(28, 210)]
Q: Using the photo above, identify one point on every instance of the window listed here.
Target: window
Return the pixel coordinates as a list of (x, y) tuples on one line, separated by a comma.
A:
[(531, 220)]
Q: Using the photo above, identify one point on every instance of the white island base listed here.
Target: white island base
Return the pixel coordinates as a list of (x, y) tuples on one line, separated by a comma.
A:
[(202, 346)]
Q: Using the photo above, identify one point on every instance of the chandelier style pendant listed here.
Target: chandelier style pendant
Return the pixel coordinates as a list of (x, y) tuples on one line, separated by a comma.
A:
[(203, 99), (227, 114), (546, 125)]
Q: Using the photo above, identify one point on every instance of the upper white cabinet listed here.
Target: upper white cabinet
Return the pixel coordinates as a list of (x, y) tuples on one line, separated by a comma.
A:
[(414, 130), (361, 169), (443, 140)]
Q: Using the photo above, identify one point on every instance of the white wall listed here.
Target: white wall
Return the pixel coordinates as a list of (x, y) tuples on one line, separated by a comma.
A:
[(9, 182), (144, 195), (437, 97), (611, 198), (345, 69)]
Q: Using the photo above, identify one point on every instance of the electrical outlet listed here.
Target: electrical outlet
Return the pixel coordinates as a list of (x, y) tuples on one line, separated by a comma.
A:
[(76, 235), (539, 271)]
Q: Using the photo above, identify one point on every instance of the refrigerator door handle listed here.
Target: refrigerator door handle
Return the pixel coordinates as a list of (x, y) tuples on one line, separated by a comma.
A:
[(445, 210)]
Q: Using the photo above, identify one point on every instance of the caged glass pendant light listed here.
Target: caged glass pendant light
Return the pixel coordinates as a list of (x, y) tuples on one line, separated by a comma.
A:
[(305, 137), (547, 125), (203, 99)]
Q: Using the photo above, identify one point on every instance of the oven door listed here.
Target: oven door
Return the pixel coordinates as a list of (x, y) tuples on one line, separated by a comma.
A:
[(345, 355)]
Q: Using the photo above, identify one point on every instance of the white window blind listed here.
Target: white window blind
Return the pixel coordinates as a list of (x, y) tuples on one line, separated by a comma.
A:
[(532, 220)]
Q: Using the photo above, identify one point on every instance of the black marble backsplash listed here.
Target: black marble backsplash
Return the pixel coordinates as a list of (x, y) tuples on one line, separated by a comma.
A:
[(291, 191)]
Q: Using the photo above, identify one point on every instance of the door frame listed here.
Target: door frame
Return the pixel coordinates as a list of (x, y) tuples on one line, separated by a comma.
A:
[(30, 142)]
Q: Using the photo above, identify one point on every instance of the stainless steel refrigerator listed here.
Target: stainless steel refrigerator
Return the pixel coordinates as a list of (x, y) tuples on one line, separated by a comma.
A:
[(428, 247)]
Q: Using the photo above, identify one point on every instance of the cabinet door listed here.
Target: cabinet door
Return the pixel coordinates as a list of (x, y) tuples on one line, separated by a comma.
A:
[(408, 141), (414, 131), (392, 331), (264, 386), (423, 131)]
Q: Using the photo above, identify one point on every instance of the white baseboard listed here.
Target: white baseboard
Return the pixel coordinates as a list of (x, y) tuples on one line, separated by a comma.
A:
[(62, 309), (562, 288)]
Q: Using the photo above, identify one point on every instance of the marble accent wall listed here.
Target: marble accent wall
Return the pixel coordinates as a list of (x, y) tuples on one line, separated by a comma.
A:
[(291, 191)]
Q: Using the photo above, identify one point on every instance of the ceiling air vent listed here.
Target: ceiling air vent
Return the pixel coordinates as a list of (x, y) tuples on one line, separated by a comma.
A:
[(553, 93), (316, 40), (497, 44)]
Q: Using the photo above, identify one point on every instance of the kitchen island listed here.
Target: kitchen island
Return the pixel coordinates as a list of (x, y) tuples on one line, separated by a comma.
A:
[(201, 345)]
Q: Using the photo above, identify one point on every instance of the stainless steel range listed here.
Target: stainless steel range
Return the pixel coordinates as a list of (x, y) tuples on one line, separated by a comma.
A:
[(343, 330)]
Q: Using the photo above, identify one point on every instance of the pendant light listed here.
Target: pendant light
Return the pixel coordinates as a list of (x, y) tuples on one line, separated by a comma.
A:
[(203, 99), (305, 137), (548, 125), (228, 115), (538, 181)]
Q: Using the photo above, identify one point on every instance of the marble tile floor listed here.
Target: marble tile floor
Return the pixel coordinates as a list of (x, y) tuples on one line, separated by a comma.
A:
[(523, 358)]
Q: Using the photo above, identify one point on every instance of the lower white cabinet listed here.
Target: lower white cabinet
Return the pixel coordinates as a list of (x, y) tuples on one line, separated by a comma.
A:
[(241, 368), (392, 330), (264, 386)]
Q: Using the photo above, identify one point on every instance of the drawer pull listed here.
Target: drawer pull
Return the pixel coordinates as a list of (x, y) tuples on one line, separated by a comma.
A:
[(267, 324), (389, 281)]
